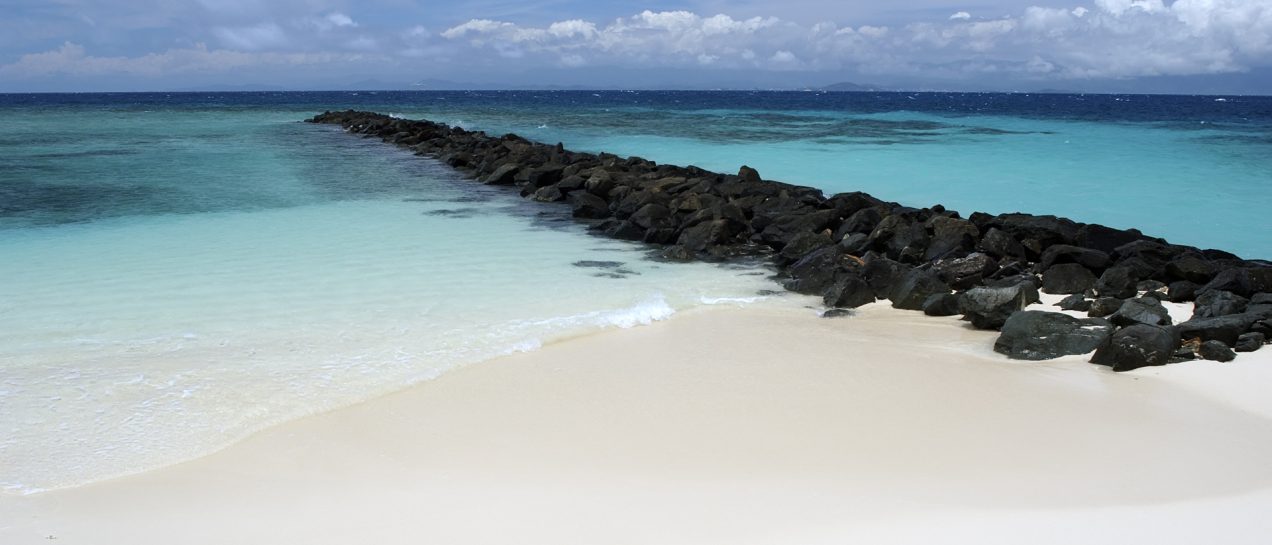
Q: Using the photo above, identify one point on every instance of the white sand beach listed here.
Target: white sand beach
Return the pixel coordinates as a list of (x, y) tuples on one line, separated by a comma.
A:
[(756, 425)]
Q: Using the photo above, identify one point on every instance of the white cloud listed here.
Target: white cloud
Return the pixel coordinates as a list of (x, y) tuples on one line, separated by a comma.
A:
[(1111, 38), (252, 38), (72, 59)]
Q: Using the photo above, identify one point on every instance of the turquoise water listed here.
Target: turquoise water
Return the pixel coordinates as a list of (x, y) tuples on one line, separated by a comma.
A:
[(177, 271), (173, 281)]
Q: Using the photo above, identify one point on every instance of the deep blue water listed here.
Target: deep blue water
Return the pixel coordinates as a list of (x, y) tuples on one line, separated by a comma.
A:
[(1193, 169)]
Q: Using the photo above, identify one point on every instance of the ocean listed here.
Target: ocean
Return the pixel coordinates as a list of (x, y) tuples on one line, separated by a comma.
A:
[(180, 270)]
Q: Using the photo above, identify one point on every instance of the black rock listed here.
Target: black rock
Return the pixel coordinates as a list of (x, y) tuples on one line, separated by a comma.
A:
[(1141, 310), (915, 287), (1181, 291), (1094, 260), (837, 313), (652, 216), (1264, 327), (850, 291), (1118, 281), (1075, 302), (1244, 281), (1183, 353), (1216, 303), (1034, 335), (998, 243), (1150, 286), (989, 308), (883, 274), (801, 245), (1216, 351), (965, 272), (1192, 268), (816, 272), (897, 233), (1261, 299), (1225, 329), (1249, 342), (1067, 278), (502, 175), (1106, 239), (589, 206), (1136, 346), (855, 243), (749, 175), (942, 304), (950, 236), (708, 234), (861, 222), (1104, 306)]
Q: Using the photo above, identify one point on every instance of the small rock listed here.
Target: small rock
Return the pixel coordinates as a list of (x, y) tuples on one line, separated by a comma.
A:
[(1075, 302), (1216, 351), (1104, 306), (1249, 342), (1181, 291)]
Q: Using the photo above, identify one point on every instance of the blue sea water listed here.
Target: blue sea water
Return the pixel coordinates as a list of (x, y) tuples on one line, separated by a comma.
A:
[(179, 270)]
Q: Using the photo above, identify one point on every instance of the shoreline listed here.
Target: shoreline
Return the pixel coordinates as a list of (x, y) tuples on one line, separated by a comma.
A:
[(708, 428)]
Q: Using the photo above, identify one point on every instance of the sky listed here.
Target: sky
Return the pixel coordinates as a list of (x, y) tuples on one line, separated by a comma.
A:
[(1184, 46)]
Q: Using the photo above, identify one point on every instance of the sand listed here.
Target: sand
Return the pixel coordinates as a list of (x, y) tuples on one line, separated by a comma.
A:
[(758, 425)]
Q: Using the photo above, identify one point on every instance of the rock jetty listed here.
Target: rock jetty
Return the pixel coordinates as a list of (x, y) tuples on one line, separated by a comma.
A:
[(852, 248)]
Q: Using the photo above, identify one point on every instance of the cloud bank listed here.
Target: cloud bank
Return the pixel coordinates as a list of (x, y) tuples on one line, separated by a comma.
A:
[(1104, 39)]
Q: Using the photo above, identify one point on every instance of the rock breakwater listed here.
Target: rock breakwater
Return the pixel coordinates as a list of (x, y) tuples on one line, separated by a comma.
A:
[(852, 248)]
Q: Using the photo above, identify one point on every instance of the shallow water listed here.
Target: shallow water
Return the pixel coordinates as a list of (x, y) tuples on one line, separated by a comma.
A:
[(257, 270), (178, 270)]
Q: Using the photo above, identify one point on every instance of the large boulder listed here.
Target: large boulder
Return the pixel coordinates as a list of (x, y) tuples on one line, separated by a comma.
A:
[(802, 245), (1118, 281), (1243, 281), (965, 272), (999, 243), (850, 291), (816, 272), (1103, 306), (1094, 260), (989, 308), (915, 287), (1225, 329), (1181, 291), (501, 176), (900, 237), (1035, 335), (1192, 268), (1067, 278), (1139, 345), (589, 206), (950, 236), (1141, 310), (942, 304), (1215, 303), (883, 274)]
